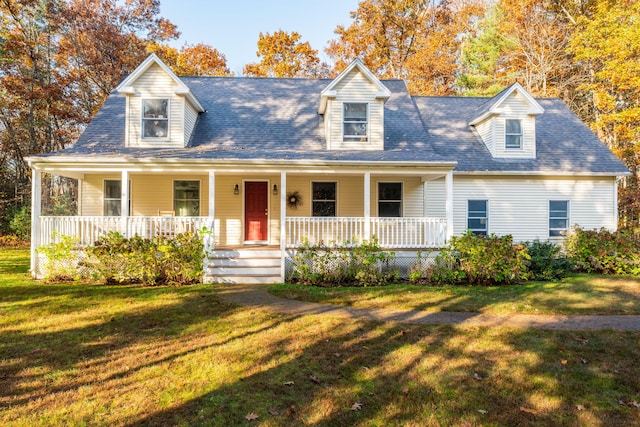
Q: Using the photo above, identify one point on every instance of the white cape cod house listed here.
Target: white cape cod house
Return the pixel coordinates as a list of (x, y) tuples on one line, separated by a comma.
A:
[(266, 163)]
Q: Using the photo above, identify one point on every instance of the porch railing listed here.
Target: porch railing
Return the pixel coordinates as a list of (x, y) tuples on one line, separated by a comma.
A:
[(397, 233), (88, 229)]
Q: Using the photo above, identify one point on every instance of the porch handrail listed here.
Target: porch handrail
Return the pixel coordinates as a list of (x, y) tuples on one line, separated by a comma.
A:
[(395, 233), (88, 229)]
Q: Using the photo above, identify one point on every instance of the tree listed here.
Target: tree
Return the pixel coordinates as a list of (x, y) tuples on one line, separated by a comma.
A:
[(607, 44), (192, 60), (283, 54), (416, 40)]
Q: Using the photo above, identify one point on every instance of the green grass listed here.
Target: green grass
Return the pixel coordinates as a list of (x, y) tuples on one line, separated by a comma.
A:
[(79, 355), (580, 294)]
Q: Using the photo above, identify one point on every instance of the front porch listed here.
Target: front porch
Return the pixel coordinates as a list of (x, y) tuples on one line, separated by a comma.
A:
[(246, 208)]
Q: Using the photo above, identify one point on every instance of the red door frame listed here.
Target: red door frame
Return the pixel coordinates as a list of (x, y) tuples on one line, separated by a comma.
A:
[(256, 211)]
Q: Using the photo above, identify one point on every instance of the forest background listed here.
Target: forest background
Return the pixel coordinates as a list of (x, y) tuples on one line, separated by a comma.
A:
[(59, 60)]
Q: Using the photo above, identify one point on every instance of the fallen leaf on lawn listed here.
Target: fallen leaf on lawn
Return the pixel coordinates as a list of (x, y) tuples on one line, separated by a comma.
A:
[(356, 406), (274, 411), (635, 404), (252, 416), (621, 402), (563, 361), (582, 340), (290, 410), (580, 407), (482, 411), (314, 379), (584, 361), (288, 383), (477, 376), (405, 390), (336, 354), (528, 410)]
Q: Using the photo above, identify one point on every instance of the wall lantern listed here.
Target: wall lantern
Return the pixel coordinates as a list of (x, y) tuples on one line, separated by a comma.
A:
[(236, 189), (275, 189)]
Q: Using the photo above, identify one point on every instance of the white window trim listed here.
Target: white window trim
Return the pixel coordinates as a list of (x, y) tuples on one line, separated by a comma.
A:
[(549, 236), (104, 198), (368, 122), (487, 214), (378, 196), (312, 199), (521, 147), (142, 120), (173, 194)]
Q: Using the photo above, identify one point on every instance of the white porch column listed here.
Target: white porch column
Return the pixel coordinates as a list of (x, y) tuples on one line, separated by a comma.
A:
[(124, 201), (210, 238), (367, 206), (36, 207), (449, 204), (615, 203), (283, 224)]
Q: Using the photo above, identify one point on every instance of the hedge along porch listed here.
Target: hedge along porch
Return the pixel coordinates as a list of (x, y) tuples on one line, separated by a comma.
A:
[(242, 207)]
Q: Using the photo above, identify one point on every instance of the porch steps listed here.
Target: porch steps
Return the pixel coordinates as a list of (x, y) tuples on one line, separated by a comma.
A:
[(245, 265)]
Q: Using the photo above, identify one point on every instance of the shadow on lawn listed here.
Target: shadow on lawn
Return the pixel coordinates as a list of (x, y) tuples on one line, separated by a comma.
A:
[(417, 375)]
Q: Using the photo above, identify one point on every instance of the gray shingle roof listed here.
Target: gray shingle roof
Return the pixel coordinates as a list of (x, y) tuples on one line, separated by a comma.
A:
[(563, 142), (277, 119)]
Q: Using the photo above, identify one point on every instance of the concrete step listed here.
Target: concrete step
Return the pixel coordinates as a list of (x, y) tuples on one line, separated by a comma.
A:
[(260, 279), (244, 262), (245, 253), (244, 271)]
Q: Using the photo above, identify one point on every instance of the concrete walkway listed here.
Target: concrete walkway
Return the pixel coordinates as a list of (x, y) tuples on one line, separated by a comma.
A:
[(257, 296)]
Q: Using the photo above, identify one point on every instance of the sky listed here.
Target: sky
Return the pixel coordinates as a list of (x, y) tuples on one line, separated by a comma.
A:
[(233, 27)]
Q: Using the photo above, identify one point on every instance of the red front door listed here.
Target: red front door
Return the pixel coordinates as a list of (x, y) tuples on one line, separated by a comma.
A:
[(256, 211)]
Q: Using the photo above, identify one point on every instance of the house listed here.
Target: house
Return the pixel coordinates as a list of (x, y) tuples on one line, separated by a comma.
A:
[(266, 163)]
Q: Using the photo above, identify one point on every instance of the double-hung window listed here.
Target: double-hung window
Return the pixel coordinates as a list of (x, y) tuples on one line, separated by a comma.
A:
[(186, 198), (513, 134), (477, 218), (355, 121), (390, 199), (155, 118), (112, 197), (323, 201), (558, 218)]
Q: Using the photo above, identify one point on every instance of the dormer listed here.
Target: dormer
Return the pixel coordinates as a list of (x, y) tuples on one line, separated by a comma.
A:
[(507, 123), (353, 109), (161, 111)]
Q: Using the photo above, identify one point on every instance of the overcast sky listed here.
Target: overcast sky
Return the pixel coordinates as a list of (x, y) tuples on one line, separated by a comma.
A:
[(232, 27)]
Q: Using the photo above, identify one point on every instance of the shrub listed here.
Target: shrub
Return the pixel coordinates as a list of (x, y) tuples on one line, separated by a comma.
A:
[(63, 261), (12, 241), (20, 223), (155, 261), (322, 265), (548, 261), (605, 252), (481, 260)]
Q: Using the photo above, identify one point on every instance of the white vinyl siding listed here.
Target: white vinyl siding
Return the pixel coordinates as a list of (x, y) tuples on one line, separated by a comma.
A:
[(355, 88), (435, 198), (155, 83), (485, 129), (519, 206), (190, 117)]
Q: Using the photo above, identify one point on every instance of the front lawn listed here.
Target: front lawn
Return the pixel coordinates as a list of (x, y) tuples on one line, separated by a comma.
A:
[(122, 355), (580, 294)]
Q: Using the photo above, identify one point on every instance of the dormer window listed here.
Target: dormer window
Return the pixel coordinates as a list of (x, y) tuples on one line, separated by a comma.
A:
[(155, 118), (355, 121), (513, 133)]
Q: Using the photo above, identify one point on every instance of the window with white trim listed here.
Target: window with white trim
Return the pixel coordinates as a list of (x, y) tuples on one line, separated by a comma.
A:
[(355, 121), (558, 218), (155, 118), (112, 197), (477, 217), (323, 196), (390, 199), (513, 134), (186, 198)]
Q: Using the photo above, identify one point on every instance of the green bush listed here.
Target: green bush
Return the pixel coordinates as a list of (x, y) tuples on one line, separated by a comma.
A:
[(480, 260), (365, 265), (63, 261), (149, 261), (547, 261), (605, 252), (20, 223)]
